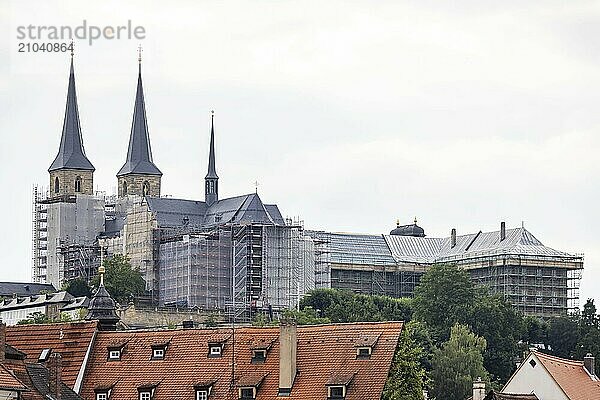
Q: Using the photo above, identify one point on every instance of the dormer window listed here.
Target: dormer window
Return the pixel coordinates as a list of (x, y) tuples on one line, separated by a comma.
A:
[(247, 393), (114, 354), (158, 354), (364, 352), (201, 394), (337, 387), (145, 395), (336, 392), (259, 356), (215, 349), (158, 351), (102, 396), (146, 392)]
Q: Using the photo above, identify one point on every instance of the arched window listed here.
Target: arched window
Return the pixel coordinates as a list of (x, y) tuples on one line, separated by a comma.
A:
[(124, 188), (207, 188), (78, 184), (145, 188), (212, 187), (56, 185)]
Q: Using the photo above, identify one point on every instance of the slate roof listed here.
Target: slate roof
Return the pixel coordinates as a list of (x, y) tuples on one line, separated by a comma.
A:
[(571, 376), (71, 340), (247, 208), (35, 300), (39, 377), (71, 154), (212, 169), (324, 351), (139, 154), (24, 289)]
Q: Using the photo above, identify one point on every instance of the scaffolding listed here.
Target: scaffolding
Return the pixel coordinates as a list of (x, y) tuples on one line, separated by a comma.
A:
[(239, 269), (39, 234)]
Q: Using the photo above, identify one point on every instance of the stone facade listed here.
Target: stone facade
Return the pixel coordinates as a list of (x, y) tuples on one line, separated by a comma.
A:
[(154, 317), (67, 182), (133, 184)]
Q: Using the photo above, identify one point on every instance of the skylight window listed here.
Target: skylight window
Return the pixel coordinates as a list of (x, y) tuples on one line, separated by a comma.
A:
[(44, 355)]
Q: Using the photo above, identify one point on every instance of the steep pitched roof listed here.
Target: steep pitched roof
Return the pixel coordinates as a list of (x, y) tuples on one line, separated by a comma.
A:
[(71, 154), (571, 376), (323, 352), (170, 212), (24, 289), (139, 153), (39, 376), (71, 340)]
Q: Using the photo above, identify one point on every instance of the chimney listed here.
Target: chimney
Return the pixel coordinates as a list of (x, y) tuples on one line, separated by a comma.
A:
[(55, 375), (478, 389), (2, 340), (288, 344), (589, 364), (453, 238), (187, 324), (502, 230)]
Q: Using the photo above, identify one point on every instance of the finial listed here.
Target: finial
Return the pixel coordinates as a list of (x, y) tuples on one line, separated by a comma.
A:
[(256, 187), (101, 271), (140, 54), (415, 220), (212, 115), (72, 47), (398, 222)]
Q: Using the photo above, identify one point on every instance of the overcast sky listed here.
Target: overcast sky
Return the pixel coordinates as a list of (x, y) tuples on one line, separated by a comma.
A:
[(349, 114)]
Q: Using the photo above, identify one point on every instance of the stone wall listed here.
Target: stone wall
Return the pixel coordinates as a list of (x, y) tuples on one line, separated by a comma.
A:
[(160, 317), (66, 180), (133, 185)]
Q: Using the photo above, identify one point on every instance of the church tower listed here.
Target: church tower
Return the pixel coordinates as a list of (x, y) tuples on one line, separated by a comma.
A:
[(211, 181), (71, 172), (139, 176)]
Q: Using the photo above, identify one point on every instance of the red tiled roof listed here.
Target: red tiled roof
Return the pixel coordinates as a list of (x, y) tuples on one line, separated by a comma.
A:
[(8, 381), (324, 351), (571, 376), (71, 340)]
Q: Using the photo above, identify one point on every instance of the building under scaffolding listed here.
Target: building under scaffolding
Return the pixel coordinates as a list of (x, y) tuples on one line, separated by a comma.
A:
[(236, 268), (536, 279)]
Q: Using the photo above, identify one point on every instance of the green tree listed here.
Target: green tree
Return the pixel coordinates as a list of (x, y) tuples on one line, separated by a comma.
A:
[(457, 363), (78, 287), (341, 306), (535, 331), (212, 320), (406, 377), (35, 318), (563, 335), (444, 296), (306, 316), (121, 280), (494, 319)]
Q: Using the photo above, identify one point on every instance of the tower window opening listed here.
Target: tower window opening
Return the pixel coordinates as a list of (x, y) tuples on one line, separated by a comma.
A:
[(212, 187), (124, 188), (145, 188), (78, 184), (56, 185)]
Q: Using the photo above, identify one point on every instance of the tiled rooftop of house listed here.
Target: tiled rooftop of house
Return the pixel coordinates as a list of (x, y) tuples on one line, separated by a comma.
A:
[(9, 382), (572, 377), (71, 340), (176, 363)]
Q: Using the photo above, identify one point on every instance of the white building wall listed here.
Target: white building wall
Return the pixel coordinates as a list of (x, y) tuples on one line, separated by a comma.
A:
[(12, 317), (534, 379)]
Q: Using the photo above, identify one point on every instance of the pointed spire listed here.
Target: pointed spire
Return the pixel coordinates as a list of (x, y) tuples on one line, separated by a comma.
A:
[(212, 169), (139, 154), (211, 181), (71, 154)]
